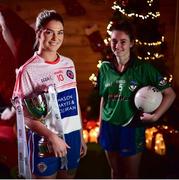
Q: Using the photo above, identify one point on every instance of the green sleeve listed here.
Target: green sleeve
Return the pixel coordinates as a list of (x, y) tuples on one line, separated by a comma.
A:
[(155, 78)]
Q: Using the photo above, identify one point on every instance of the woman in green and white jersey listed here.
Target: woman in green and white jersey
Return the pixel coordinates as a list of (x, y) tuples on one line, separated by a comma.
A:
[(122, 130)]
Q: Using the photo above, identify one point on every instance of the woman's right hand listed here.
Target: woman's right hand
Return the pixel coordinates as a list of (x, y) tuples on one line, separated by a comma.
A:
[(59, 145)]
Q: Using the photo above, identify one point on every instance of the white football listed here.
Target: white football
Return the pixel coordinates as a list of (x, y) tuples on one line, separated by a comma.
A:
[(148, 99)]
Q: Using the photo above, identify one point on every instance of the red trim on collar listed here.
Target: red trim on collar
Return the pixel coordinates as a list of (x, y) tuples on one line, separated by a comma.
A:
[(53, 62)]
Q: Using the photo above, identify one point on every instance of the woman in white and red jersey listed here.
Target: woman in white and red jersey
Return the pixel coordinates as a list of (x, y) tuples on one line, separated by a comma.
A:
[(44, 69)]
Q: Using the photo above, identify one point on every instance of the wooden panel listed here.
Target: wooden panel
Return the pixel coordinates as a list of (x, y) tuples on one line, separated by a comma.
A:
[(76, 44), (77, 40)]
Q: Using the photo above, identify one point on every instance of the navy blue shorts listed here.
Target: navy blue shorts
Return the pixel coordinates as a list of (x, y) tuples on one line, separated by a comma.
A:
[(127, 141), (49, 165)]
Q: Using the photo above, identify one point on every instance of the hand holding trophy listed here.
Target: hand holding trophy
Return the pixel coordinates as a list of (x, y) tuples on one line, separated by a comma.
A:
[(38, 108)]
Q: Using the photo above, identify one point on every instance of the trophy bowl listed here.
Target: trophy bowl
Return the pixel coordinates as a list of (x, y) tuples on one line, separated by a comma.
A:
[(37, 106)]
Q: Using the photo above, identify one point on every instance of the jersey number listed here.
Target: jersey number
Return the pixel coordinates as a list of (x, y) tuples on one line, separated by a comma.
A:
[(120, 87), (60, 77)]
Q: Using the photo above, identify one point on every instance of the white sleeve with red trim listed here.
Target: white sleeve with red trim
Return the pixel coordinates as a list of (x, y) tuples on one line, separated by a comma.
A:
[(23, 85)]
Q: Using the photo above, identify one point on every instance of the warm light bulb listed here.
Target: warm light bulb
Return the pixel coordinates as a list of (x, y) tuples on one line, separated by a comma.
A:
[(85, 135)]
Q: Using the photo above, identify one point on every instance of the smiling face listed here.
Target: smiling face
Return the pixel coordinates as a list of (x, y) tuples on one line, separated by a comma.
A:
[(51, 36), (120, 45)]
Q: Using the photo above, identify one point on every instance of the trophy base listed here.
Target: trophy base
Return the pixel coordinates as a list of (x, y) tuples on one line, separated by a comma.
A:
[(45, 148)]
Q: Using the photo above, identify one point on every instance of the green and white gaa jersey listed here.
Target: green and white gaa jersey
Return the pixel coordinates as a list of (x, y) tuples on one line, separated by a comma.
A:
[(118, 89)]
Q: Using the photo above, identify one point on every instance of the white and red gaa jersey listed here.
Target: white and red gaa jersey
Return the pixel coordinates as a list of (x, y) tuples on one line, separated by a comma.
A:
[(36, 75)]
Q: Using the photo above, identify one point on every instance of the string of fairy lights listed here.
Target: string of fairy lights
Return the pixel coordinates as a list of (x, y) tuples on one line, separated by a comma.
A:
[(152, 49), (150, 2), (149, 54), (148, 15)]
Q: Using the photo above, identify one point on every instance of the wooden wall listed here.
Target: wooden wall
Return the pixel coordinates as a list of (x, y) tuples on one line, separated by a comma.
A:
[(76, 44), (170, 20), (168, 25), (176, 52)]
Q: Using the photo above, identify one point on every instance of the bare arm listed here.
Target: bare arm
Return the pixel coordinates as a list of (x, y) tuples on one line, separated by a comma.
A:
[(168, 98), (83, 144), (100, 114)]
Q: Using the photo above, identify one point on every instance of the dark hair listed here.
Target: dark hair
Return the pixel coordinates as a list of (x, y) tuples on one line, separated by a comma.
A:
[(45, 16), (42, 19), (125, 26)]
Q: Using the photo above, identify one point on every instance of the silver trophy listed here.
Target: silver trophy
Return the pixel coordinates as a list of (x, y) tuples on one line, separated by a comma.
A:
[(38, 108)]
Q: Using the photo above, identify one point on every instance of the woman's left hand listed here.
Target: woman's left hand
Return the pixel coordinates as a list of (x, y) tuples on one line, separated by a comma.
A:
[(83, 149), (146, 117)]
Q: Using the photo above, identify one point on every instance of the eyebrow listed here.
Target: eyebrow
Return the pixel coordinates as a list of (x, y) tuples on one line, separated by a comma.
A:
[(115, 39), (53, 30)]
